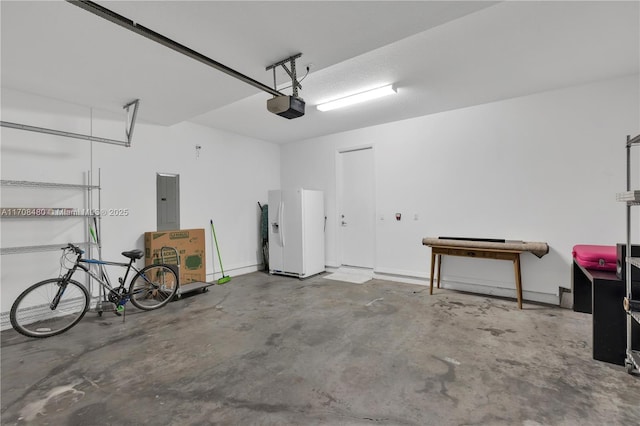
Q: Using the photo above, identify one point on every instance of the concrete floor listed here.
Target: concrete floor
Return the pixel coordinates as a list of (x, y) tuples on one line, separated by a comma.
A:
[(273, 350)]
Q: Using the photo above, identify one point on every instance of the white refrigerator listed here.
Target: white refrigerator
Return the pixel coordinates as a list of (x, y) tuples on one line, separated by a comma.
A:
[(296, 232)]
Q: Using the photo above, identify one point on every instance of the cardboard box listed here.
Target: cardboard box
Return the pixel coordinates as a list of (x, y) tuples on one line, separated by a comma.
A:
[(189, 244)]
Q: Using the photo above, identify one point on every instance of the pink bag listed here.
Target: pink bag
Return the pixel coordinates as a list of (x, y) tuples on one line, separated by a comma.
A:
[(602, 258)]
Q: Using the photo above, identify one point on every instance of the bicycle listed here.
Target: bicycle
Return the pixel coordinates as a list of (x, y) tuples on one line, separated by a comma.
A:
[(53, 306)]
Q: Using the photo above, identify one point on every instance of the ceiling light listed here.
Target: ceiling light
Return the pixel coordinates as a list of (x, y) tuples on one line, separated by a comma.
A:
[(357, 98)]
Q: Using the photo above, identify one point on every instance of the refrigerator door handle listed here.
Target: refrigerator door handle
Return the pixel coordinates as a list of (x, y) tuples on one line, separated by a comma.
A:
[(281, 221)]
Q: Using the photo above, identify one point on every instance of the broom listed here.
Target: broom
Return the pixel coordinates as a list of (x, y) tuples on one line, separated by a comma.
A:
[(224, 279)]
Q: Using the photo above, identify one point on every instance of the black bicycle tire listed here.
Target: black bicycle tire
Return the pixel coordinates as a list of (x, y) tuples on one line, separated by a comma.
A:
[(22, 330), (133, 300)]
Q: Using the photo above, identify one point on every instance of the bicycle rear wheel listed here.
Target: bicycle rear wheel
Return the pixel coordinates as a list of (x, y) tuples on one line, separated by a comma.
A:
[(153, 287), (32, 313)]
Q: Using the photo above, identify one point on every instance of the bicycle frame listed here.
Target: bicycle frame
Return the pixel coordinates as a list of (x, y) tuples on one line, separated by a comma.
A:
[(104, 283), (66, 300)]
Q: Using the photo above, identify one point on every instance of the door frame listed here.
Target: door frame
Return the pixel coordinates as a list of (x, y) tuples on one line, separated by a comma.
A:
[(339, 192)]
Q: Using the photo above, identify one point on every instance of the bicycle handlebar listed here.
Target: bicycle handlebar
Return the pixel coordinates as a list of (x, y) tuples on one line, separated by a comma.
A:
[(77, 250)]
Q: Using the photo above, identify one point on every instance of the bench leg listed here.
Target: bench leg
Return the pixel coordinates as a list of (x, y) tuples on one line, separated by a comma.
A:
[(439, 268), (516, 267), (433, 266)]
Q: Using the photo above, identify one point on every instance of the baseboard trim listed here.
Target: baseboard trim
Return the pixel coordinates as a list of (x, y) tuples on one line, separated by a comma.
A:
[(237, 270), (469, 287), (532, 296), (402, 273)]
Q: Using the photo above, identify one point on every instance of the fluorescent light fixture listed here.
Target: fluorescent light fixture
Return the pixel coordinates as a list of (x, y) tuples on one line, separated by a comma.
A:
[(357, 98)]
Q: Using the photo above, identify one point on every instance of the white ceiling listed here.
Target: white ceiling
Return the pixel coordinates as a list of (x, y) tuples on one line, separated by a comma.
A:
[(441, 55)]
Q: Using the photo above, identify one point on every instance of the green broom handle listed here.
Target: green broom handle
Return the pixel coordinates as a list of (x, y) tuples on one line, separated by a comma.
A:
[(217, 249)]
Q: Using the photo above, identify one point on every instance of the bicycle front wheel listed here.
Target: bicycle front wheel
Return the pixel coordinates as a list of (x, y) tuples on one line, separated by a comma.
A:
[(49, 307), (153, 287)]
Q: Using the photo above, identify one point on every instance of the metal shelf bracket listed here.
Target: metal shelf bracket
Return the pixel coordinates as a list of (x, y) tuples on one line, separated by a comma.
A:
[(129, 124), (131, 119), (295, 84)]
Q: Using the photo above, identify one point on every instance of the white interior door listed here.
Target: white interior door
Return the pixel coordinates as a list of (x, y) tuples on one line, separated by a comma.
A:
[(356, 216)]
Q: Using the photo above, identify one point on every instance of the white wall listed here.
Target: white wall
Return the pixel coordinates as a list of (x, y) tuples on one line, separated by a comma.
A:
[(544, 167), (224, 184)]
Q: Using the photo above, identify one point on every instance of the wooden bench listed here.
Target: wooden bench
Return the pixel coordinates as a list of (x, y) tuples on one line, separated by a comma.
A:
[(513, 255), (482, 249)]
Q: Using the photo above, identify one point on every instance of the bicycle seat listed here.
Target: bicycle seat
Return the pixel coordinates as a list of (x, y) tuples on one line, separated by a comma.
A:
[(133, 254)]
